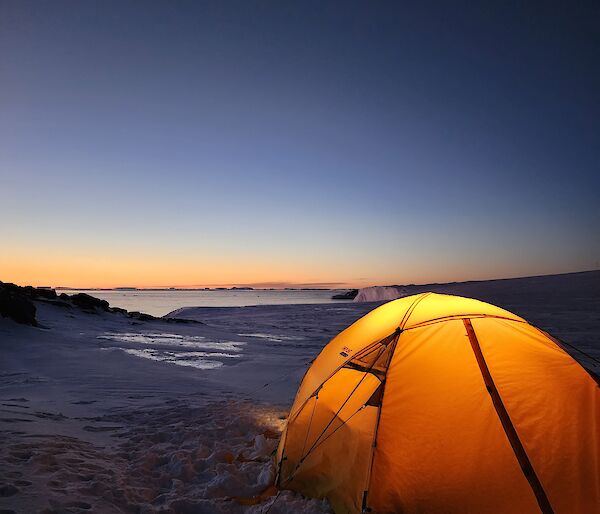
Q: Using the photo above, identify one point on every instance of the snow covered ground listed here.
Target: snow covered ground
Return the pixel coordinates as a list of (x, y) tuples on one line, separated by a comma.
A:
[(105, 413)]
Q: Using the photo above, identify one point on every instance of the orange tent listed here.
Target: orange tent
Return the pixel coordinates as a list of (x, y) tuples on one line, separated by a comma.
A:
[(442, 404)]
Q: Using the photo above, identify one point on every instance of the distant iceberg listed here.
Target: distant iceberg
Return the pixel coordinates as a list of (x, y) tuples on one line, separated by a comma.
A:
[(378, 294)]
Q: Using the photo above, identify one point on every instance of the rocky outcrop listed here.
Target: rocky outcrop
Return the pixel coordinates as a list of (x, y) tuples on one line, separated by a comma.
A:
[(36, 293), (89, 303), (141, 316), (16, 304)]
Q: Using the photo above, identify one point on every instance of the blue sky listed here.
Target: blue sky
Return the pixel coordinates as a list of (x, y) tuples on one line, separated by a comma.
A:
[(245, 142)]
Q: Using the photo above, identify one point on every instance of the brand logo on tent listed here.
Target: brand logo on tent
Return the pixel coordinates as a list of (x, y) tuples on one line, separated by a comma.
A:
[(345, 351)]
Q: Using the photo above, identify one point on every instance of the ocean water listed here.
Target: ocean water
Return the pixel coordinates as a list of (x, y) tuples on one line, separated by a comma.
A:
[(159, 303)]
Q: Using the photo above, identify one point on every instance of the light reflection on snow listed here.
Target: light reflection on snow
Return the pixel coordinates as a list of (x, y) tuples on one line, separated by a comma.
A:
[(166, 348)]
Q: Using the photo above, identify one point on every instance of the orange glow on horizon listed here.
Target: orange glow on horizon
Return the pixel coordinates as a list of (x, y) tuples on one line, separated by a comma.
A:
[(89, 270), (106, 270)]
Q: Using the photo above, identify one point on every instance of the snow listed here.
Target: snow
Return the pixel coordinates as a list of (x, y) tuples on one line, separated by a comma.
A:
[(192, 359), (105, 413)]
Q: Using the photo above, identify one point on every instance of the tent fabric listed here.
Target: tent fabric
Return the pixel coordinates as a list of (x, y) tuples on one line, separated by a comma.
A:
[(441, 404)]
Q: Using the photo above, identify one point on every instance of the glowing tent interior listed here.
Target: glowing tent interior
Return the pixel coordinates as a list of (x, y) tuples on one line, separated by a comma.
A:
[(436, 403)]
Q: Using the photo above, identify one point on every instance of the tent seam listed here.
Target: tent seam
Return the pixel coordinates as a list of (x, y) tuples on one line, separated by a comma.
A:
[(507, 424)]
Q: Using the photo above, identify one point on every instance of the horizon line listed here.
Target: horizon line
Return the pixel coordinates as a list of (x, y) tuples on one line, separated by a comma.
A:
[(302, 285)]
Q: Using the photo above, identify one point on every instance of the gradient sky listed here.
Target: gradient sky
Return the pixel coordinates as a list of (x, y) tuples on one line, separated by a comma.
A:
[(195, 143)]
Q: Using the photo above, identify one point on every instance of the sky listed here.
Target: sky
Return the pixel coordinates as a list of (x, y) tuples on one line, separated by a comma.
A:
[(190, 143)]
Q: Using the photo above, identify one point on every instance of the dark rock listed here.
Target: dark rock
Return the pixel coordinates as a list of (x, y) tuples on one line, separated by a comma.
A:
[(141, 316), (58, 303), (37, 292), (89, 303), (348, 295), (43, 292), (14, 304), (8, 286), (181, 320), (146, 317)]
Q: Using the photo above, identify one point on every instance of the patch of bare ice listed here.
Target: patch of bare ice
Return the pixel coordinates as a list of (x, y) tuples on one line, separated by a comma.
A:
[(174, 340), (170, 348), (190, 359)]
